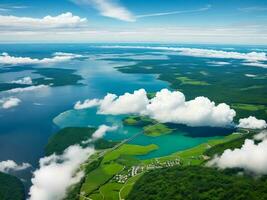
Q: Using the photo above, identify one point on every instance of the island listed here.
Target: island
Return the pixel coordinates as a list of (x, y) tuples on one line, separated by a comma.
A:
[(53, 77), (11, 187), (157, 130), (150, 126)]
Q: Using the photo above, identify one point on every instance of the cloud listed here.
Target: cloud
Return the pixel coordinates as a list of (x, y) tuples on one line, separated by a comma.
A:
[(250, 75), (167, 106), (222, 54), (58, 172), (238, 34), (24, 81), (255, 64), (4, 9), (86, 104), (253, 9), (113, 9), (124, 104), (207, 53), (175, 12), (252, 123), (218, 63), (64, 20), (7, 8), (100, 133), (251, 157), (10, 165), (10, 102), (6, 59), (115, 105), (261, 136), (27, 89), (109, 8)]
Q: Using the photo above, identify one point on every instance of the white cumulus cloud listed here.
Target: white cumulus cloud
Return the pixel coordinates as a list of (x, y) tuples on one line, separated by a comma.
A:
[(109, 8), (10, 165), (252, 123), (64, 20), (58, 172), (7, 59), (251, 157), (115, 105), (10, 102), (166, 106), (169, 106), (86, 104), (100, 133), (125, 104), (25, 81)]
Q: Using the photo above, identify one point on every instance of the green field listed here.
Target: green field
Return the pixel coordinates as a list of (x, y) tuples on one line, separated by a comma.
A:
[(99, 177), (249, 107), (196, 155), (98, 182), (128, 149), (188, 81)]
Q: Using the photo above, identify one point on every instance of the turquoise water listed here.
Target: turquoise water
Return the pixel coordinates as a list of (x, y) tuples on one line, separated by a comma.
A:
[(176, 141)]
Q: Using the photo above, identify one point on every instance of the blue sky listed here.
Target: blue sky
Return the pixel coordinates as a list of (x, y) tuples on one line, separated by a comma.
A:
[(175, 21)]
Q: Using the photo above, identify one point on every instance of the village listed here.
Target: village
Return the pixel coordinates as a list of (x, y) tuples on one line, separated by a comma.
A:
[(123, 176)]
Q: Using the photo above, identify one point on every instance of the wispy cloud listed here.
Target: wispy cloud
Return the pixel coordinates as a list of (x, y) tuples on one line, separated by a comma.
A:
[(3, 9), (206, 53), (238, 34), (253, 9), (175, 12), (9, 7), (109, 8), (114, 9)]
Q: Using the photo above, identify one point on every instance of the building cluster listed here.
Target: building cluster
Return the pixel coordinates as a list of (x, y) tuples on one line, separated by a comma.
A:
[(135, 170)]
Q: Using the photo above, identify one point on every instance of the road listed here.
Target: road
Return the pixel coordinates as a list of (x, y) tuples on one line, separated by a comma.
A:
[(102, 153)]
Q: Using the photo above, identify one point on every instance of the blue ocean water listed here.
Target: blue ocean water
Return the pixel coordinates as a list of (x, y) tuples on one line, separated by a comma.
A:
[(24, 130)]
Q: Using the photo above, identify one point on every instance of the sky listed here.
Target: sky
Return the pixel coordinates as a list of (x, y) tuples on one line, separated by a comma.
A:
[(158, 21)]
